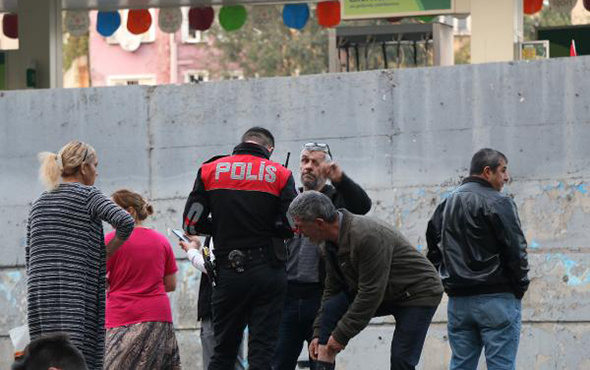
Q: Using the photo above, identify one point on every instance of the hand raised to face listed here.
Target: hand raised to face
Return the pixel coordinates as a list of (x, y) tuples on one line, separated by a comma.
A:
[(332, 171)]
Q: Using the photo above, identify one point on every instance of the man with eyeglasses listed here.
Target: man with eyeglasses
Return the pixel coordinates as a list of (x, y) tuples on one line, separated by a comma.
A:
[(305, 268)]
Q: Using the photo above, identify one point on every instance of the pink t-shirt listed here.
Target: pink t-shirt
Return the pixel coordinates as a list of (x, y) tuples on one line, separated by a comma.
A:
[(135, 274)]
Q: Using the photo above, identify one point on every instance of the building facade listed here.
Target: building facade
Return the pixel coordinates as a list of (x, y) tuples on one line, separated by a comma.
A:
[(155, 57)]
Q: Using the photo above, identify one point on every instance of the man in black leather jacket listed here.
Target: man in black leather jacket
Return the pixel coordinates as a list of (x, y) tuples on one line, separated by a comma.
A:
[(476, 242)]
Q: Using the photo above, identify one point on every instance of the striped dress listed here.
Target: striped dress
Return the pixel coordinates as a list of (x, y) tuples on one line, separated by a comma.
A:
[(66, 265)]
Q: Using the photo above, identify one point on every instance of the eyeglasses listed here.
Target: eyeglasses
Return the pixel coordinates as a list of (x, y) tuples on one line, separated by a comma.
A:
[(318, 147)]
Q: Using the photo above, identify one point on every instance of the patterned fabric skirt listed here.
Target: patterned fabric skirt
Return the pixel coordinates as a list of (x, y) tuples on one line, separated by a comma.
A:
[(143, 346)]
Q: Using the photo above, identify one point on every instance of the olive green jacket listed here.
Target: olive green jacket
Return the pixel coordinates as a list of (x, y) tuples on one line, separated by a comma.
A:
[(378, 265)]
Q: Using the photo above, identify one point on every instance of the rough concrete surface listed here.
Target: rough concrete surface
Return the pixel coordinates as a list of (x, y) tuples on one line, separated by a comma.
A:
[(405, 135)]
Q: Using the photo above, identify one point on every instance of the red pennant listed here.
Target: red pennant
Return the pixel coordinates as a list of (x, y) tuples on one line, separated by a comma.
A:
[(201, 18), (573, 52), (328, 13), (10, 26), (139, 21), (532, 6)]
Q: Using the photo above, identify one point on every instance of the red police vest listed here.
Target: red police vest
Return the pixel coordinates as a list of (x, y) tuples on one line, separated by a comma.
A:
[(245, 172)]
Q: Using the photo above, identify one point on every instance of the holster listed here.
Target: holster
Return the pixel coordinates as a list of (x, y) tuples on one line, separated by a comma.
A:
[(210, 267), (277, 252)]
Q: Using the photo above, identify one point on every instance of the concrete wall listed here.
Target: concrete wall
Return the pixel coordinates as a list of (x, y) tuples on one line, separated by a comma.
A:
[(406, 135)]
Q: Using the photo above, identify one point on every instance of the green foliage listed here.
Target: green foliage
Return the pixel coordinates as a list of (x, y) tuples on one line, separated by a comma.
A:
[(545, 18), (266, 47), (463, 52), (73, 48)]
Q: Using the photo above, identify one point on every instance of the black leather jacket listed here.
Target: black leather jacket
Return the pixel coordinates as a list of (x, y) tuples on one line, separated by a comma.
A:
[(476, 242)]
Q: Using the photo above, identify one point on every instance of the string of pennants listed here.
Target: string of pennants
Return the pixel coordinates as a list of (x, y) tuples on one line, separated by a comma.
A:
[(231, 18)]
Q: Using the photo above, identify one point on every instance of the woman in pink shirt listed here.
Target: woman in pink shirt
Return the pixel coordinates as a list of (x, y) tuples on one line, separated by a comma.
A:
[(140, 334)]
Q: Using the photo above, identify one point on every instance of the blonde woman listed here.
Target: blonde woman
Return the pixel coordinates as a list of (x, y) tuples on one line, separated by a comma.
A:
[(66, 254), (140, 334)]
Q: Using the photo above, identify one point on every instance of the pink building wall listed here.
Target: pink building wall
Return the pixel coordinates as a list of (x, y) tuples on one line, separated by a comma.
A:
[(152, 58), (110, 59)]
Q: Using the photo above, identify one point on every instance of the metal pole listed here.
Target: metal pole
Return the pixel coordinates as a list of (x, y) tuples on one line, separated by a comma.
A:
[(347, 60), (333, 52)]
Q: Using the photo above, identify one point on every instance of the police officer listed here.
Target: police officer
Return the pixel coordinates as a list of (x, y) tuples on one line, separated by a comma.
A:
[(247, 196)]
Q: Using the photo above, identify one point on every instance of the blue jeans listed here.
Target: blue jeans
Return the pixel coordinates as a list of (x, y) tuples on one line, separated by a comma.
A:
[(489, 321), (296, 328), (411, 326)]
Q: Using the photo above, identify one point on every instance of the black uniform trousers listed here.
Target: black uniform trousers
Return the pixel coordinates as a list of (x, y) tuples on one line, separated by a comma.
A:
[(255, 298)]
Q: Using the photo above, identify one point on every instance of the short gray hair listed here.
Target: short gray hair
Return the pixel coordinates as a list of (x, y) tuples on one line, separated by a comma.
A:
[(312, 204), (318, 147), (327, 157)]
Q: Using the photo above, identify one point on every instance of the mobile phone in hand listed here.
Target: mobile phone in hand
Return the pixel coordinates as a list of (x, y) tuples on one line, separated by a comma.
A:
[(180, 235)]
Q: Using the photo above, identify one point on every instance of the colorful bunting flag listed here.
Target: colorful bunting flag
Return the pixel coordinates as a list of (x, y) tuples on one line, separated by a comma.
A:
[(232, 17), (201, 18), (295, 15), (170, 19), (10, 26), (328, 13), (532, 6), (77, 22), (107, 23), (139, 21)]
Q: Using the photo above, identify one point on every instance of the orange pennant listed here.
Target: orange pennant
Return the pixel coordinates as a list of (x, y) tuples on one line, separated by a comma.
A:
[(139, 21), (328, 13)]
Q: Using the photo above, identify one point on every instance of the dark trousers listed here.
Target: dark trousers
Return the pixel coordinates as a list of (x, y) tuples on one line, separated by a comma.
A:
[(254, 298), (411, 326), (296, 328), (208, 344)]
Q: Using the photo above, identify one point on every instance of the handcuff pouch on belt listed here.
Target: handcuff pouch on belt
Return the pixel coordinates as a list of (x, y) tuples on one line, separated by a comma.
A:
[(236, 260)]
